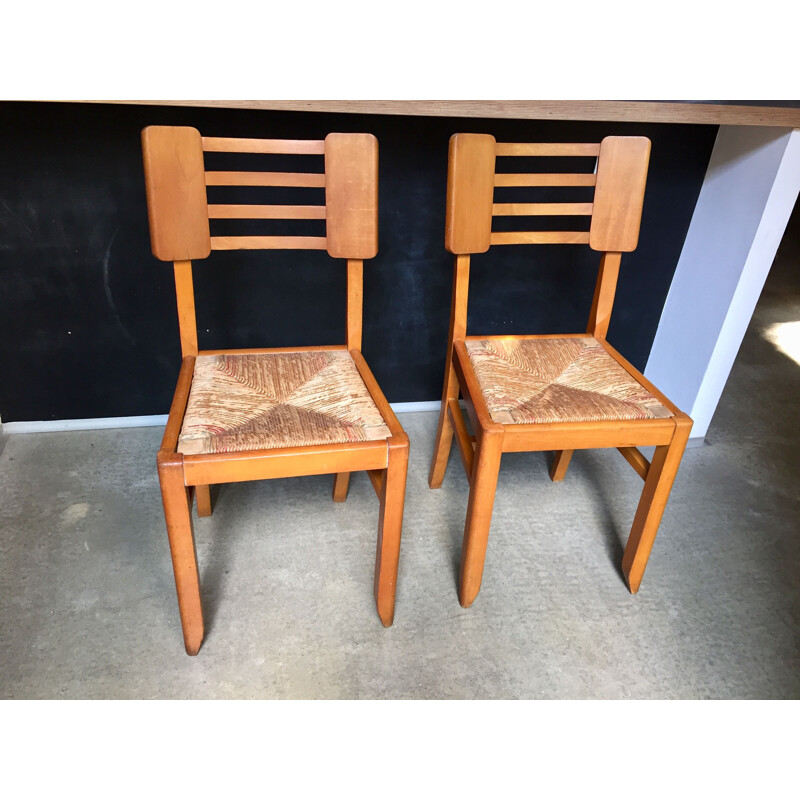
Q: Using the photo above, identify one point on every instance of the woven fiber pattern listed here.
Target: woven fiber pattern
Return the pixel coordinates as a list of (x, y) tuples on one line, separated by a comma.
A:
[(557, 380), (269, 400)]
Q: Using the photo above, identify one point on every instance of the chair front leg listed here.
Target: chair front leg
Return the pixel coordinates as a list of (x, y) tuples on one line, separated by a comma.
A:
[(177, 512), (660, 476), (390, 524), (341, 483), (483, 483)]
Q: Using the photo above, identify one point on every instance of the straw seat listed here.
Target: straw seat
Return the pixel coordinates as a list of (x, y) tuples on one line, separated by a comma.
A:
[(260, 401), (569, 379)]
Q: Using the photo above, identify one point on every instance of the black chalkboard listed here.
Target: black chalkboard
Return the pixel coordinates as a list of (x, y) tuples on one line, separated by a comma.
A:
[(87, 316)]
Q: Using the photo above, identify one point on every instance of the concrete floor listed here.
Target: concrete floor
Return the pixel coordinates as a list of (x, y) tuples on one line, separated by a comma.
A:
[(88, 609)]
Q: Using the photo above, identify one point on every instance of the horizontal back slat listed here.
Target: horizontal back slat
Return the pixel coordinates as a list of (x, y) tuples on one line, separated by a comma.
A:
[(265, 212), (540, 209), (545, 149), (544, 179), (313, 179), (535, 237), (268, 243), (213, 144)]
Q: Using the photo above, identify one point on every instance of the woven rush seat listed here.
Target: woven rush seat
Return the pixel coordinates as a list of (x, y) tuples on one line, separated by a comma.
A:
[(262, 401), (571, 379)]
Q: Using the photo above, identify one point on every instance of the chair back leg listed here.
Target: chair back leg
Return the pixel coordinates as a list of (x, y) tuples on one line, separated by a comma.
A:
[(202, 495), (560, 464), (341, 483)]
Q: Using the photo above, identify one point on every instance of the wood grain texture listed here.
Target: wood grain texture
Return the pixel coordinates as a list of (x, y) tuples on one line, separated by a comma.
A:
[(376, 478), (351, 195), (202, 495), (587, 435), (215, 144), (619, 193), (286, 462), (635, 458), (184, 294), (341, 483), (301, 179), (545, 149), (464, 442), (265, 212), (470, 191), (176, 194), (390, 524), (541, 209), (540, 237), (268, 242), (483, 483), (604, 291), (458, 329), (177, 513), (355, 302), (589, 110), (660, 477), (169, 441), (558, 469), (544, 179)]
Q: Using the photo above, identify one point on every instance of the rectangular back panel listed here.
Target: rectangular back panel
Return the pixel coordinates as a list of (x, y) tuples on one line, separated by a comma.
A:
[(351, 195), (619, 194), (176, 193), (470, 187), (619, 176)]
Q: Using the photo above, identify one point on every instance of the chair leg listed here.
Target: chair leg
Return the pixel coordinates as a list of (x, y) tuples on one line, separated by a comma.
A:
[(560, 463), (203, 496), (660, 476), (483, 483), (177, 511), (341, 483), (390, 524), (444, 433)]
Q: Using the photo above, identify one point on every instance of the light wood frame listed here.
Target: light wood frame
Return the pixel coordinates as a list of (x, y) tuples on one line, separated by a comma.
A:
[(179, 213), (619, 181)]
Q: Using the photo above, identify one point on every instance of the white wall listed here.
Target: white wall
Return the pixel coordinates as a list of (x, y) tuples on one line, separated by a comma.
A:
[(744, 205)]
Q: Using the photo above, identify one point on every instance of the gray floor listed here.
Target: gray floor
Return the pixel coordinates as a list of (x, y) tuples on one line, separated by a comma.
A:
[(88, 610)]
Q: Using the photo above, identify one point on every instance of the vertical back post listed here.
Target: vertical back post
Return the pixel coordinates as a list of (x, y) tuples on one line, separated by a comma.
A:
[(604, 291), (616, 217), (177, 210), (355, 302), (187, 322), (351, 212)]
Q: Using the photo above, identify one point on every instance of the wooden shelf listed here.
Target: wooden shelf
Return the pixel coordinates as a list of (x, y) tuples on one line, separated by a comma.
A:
[(697, 113)]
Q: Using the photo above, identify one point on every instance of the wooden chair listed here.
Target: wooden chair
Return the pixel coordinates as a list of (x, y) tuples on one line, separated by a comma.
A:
[(561, 392), (241, 415)]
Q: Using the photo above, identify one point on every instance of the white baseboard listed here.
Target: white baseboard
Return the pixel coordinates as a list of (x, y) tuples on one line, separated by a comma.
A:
[(153, 420)]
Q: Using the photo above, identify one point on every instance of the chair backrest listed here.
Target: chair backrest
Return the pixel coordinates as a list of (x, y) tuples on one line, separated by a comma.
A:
[(618, 181), (176, 181), (619, 177)]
